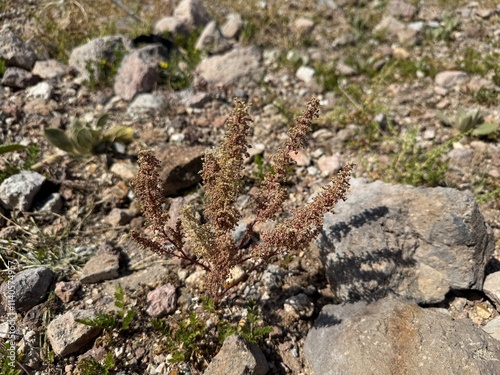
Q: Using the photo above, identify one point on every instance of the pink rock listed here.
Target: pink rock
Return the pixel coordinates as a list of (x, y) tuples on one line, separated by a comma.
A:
[(162, 301), (65, 290)]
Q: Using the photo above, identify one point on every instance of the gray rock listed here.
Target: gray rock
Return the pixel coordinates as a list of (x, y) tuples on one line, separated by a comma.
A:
[(299, 306), (417, 242), (238, 357), (104, 48), (18, 78), (18, 191), (491, 288), (399, 8), (192, 14), (493, 328), (227, 68), (118, 217), (53, 203), (305, 74), (138, 71), (27, 288), (125, 170), (14, 51), (272, 277), (67, 336), (394, 336), (161, 301), (390, 26), (211, 40), (40, 90), (197, 100), (180, 167), (170, 25), (232, 26), (302, 26), (146, 103), (47, 69), (450, 78), (102, 266)]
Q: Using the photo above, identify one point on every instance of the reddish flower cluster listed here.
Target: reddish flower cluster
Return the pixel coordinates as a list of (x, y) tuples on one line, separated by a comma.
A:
[(211, 243)]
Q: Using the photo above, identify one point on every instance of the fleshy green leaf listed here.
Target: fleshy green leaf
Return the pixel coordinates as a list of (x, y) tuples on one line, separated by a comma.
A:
[(59, 139), (122, 134), (486, 128), (12, 147), (101, 121)]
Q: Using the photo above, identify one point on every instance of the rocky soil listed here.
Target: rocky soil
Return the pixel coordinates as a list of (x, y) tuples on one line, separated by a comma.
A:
[(391, 77)]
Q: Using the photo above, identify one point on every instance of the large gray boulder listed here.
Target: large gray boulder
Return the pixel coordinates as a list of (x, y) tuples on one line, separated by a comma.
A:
[(85, 57), (14, 51), (393, 336), (417, 242)]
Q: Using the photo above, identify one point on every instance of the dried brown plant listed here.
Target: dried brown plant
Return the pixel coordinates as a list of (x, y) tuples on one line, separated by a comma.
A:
[(210, 245)]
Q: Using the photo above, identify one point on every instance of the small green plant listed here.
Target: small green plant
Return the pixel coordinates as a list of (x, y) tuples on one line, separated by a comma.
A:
[(186, 340), (8, 364), (177, 72), (102, 73), (445, 30), (248, 327), (120, 320), (414, 166), (31, 154), (470, 121), (486, 96), (2, 67), (90, 366), (83, 140), (210, 244), (464, 120)]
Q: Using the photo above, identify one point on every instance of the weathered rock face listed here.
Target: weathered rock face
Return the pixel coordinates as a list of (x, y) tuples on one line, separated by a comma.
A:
[(238, 357), (104, 48), (417, 242), (393, 336), (138, 71)]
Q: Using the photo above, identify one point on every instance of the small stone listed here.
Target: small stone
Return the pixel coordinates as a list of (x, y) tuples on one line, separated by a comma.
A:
[(232, 26), (272, 277), (399, 8), (146, 103), (18, 78), (299, 306), (302, 26), (14, 51), (238, 357), (53, 203), (19, 190), (491, 288), (126, 170), (329, 165), (118, 217), (346, 70), (47, 69), (161, 301), (102, 266), (27, 288), (65, 290), (493, 328), (301, 158), (483, 310), (305, 73), (41, 90), (67, 336), (450, 78)]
